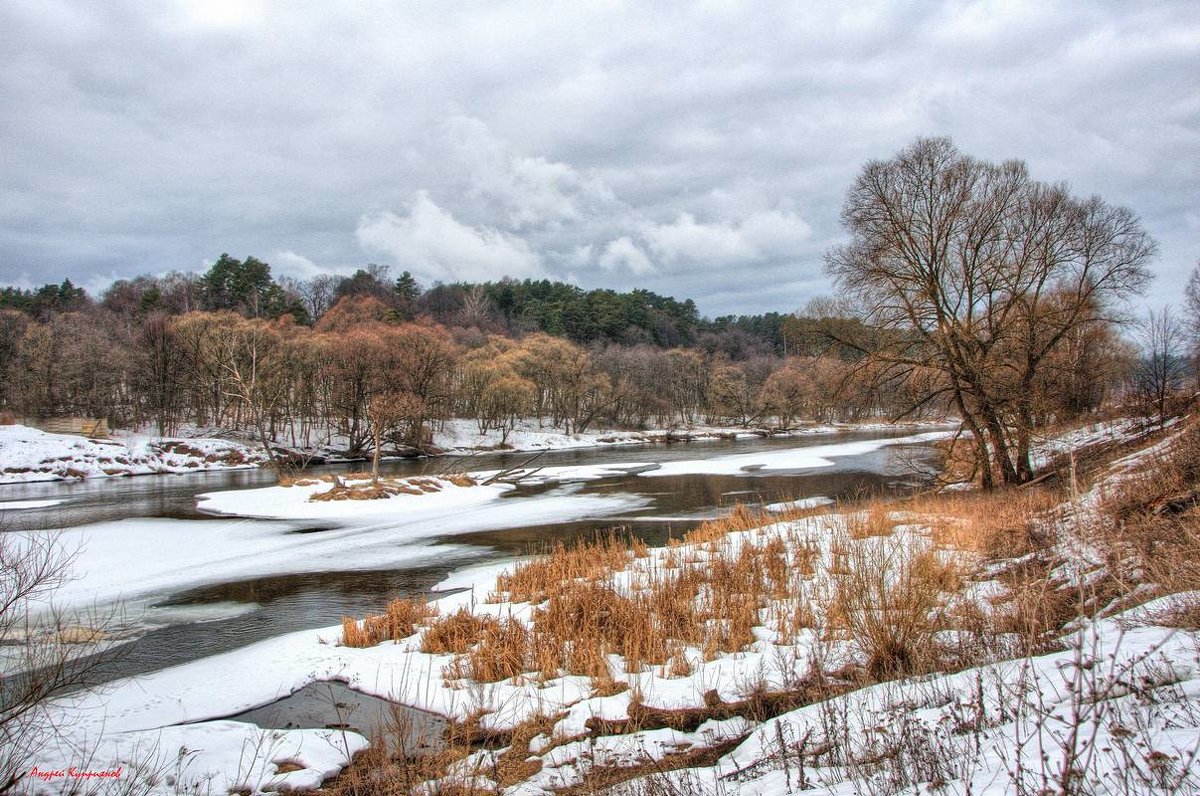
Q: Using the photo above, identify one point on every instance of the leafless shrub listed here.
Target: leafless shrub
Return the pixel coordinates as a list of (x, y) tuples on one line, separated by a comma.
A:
[(48, 652), (890, 595)]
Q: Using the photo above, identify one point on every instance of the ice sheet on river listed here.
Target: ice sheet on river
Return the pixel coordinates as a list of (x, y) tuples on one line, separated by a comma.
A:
[(800, 458), (805, 458), (128, 558)]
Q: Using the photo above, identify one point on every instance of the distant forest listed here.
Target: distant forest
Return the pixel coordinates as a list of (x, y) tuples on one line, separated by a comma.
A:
[(302, 362), (508, 306)]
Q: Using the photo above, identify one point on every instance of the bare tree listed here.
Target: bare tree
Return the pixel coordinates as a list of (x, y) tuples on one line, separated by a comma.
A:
[(1160, 373), (159, 375), (1191, 309), (252, 364), (386, 412), (319, 294), (981, 273), (42, 654), (1191, 295)]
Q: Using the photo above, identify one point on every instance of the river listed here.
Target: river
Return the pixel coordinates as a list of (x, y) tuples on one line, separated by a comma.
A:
[(183, 623)]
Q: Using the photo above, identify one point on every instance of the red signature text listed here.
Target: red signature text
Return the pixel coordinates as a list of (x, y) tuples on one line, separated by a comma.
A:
[(47, 774)]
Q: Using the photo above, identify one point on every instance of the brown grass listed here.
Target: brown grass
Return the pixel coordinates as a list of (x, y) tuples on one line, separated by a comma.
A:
[(297, 480), (1152, 532), (503, 651), (741, 518), (384, 770), (876, 520), (891, 597), (361, 486), (891, 593), (711, 604), (400, 620), (454, 634), (999, 524), (534, 581), (1038, 604)]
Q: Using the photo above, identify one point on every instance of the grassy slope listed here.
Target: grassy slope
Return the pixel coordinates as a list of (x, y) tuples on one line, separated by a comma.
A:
[(767, 654)]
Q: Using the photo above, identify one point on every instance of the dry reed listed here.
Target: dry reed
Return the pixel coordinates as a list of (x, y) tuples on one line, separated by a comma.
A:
[(400, 620)]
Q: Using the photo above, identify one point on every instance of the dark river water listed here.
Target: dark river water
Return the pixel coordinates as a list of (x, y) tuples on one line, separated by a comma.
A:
[(277, 604)]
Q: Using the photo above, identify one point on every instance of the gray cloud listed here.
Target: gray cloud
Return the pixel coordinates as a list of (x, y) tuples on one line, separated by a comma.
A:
[(701, 153)]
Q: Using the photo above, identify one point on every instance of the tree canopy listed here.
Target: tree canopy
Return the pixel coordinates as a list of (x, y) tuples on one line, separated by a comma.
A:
[(983, 276)]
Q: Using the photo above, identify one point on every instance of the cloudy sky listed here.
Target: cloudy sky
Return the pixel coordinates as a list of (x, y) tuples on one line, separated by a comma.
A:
[(700, 152)]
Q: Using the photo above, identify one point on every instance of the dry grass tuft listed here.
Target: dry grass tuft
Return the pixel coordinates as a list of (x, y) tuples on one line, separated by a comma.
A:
[(535, 581), (876, 520), (400, 620), (502, 651), (741, 518), (891, 597), (1039, 604), (454, 634)]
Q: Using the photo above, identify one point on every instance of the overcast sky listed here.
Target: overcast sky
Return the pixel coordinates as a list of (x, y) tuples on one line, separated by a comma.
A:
[(702, 153)]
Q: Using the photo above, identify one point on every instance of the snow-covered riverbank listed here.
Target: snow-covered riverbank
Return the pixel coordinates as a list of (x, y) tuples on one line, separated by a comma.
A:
[(28, 454), (171, 720)]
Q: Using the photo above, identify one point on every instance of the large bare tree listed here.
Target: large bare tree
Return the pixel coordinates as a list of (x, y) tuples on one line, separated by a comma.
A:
[(980, 272)]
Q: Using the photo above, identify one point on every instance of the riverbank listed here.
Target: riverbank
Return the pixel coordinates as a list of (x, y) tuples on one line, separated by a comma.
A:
[(30, 455), (132, 560)]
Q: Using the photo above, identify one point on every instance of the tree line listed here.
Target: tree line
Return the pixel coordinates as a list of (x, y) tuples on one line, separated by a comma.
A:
[(301, 362), (362, 366)]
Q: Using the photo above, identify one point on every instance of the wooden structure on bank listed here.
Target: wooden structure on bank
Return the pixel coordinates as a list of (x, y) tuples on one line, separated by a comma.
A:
[(95, 428)]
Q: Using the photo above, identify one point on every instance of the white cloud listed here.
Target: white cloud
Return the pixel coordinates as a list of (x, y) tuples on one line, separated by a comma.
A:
[(624, 253), (774, 233), (528, 191), (580, 256), (288, 263), (96, 284), (688, 240), (221, 14), (432, 244), (762, 235)]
